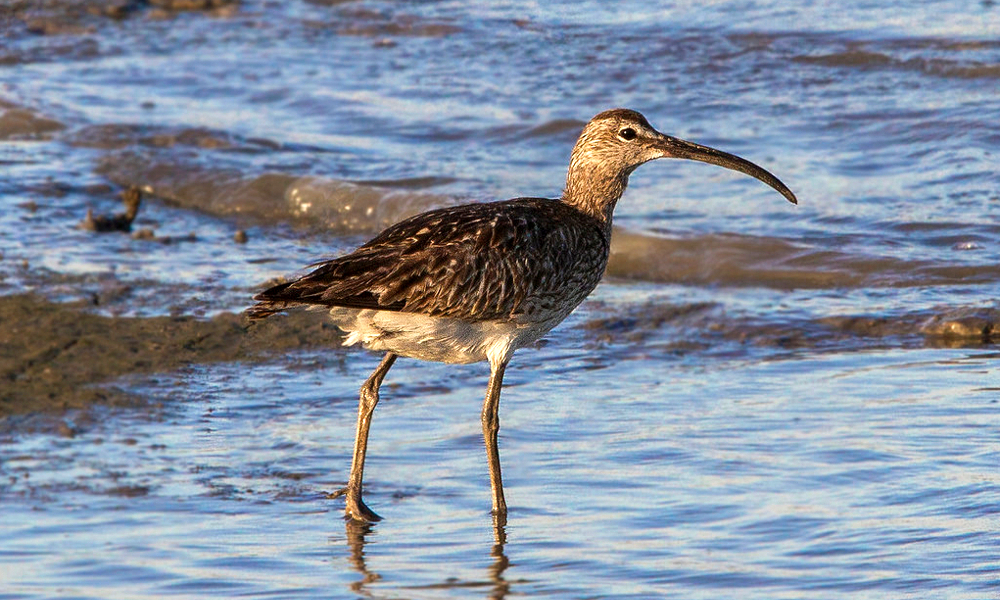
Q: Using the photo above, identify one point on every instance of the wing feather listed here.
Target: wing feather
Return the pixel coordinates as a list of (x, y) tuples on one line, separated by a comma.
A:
[(476, 262)]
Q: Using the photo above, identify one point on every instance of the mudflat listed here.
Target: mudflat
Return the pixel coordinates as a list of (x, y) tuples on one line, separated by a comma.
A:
[(56, 356)]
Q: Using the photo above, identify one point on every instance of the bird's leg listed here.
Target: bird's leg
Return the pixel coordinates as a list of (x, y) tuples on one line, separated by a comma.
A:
[(491, 427), (356, 508)]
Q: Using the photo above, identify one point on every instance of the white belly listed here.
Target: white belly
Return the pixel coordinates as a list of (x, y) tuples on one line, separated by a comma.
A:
[(438, 339)]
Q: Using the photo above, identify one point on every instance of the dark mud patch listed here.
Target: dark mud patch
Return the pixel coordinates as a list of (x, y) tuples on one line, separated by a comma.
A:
[(707, 328), (23, 124), (81, 29), (358, 19), (113, 136), (69, 17), (55, 357)]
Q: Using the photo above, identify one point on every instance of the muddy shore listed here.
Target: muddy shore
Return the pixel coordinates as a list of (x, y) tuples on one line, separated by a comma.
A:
[(56, 356), (61, 356)]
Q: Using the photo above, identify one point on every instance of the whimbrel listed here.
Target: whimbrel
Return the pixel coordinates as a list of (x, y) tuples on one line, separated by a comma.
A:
[(476, 282)]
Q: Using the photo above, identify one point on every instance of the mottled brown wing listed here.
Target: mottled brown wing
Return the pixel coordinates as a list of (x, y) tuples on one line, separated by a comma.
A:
[(475, 262)]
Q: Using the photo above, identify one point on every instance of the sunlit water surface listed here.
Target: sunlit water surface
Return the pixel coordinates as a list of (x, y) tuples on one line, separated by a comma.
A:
[(754, 447), (828, 476)]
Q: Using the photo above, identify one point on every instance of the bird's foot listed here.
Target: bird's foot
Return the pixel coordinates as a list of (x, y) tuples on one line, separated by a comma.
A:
[(499, 519), (499, 512), (355, 509), (337, 494)]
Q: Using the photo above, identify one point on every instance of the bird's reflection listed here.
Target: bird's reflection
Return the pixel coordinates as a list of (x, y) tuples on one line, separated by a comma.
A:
[(357, 531), (500, 561), (357, 537)]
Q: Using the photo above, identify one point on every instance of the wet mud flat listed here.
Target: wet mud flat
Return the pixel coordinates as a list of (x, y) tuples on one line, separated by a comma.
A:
[(56, 357), (75, 17)]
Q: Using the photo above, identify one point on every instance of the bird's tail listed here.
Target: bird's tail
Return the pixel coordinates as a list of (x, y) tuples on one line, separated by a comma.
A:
[(269, 302), (263, 310)]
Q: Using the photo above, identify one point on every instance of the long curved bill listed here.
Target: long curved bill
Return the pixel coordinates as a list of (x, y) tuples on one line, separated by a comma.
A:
[(677, 148)]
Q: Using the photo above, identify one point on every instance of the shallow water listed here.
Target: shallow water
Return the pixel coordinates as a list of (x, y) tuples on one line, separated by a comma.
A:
[(760, 401), (876, 478)]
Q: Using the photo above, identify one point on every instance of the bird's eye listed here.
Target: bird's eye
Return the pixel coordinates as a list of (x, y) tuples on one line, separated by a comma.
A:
[(627, 134)]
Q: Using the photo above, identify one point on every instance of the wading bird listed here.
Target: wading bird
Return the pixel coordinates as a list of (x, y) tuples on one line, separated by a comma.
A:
[(476, 282)]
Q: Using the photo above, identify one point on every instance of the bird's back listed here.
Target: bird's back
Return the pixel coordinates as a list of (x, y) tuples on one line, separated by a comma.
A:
[(527, 259)]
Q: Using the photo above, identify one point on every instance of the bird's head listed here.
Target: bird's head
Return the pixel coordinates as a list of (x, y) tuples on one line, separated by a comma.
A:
[(615, 142)]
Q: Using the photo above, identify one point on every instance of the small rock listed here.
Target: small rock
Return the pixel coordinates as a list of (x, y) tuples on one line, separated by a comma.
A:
[(240, 237), (65, 430)]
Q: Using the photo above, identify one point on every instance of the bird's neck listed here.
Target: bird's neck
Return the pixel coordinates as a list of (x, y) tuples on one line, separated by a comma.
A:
[(594, 191)]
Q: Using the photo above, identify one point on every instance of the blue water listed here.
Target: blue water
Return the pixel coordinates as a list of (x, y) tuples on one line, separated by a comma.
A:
[(710, 424)]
